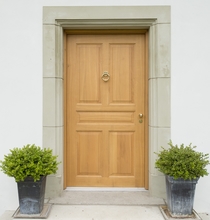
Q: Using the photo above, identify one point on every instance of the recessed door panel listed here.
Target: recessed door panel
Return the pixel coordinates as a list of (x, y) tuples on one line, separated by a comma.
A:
[(88, 68), (121, 154), (121, 67)]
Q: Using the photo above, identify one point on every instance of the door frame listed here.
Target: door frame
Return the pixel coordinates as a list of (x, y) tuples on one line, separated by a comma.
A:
[(154, 18)]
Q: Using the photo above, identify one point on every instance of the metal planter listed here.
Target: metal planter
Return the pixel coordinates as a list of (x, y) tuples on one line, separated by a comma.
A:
[(180, 195), (31, 195)]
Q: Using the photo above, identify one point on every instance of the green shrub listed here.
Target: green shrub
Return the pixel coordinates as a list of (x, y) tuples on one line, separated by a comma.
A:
[(182, 162), (30, 160)]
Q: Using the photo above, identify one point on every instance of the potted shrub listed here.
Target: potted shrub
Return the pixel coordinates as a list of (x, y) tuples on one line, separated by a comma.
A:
[(182, 166), (29, 166)]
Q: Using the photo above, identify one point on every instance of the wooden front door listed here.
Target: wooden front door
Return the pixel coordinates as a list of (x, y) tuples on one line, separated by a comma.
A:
[(105, 93)]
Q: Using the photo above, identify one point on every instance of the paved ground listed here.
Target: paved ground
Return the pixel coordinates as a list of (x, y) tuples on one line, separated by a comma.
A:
[(94, 212), (80, 205)]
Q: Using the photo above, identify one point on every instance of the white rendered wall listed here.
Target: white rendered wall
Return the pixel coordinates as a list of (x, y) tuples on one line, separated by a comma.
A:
[(21, 79), (190, 78)]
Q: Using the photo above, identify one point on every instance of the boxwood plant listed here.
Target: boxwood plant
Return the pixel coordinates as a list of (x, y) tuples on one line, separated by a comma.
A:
[(30, 160), (182, 162)]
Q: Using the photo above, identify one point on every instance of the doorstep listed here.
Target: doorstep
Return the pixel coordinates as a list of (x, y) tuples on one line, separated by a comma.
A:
[(98, 212), (106, 197)]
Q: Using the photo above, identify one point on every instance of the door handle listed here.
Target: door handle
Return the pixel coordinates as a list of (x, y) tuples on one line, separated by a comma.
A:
[(105, 76), (140, 115)]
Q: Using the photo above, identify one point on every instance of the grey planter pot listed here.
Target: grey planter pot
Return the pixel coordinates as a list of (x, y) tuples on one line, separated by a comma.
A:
[(180, 196), (31, 195)]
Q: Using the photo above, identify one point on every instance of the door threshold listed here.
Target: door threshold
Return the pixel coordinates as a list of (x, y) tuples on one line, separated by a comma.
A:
[(106, 189)]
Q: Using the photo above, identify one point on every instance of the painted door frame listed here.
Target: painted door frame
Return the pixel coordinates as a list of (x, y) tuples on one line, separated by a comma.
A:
[(154, 18)]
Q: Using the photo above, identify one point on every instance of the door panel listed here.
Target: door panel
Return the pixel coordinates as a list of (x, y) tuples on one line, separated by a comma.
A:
[(88, 164), (121, 148), (121, 64), (105, 92), (89, 60)]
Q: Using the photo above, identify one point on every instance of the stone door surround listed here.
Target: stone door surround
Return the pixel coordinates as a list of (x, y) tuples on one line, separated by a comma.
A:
[(157, 20)]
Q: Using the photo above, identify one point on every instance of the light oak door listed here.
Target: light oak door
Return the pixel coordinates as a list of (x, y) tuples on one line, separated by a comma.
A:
[(105, 93)]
